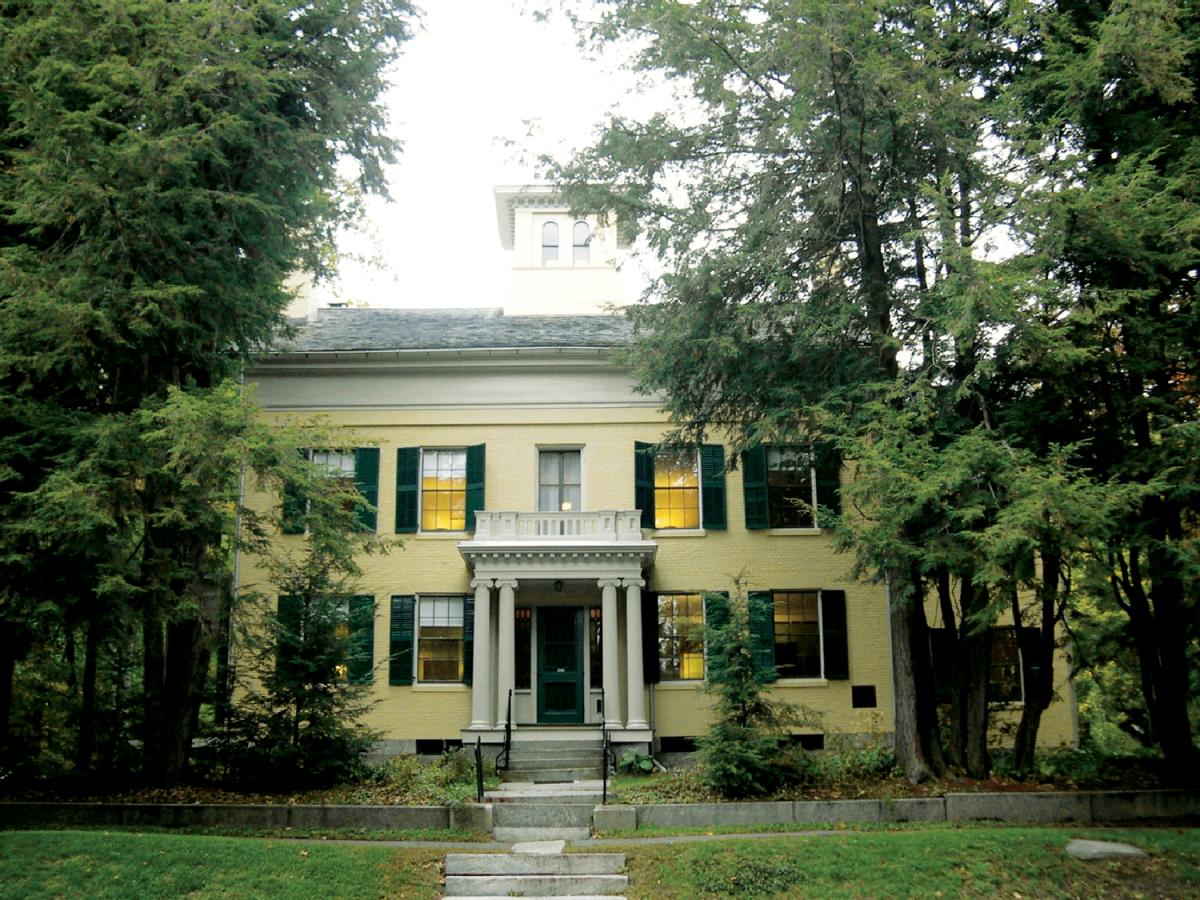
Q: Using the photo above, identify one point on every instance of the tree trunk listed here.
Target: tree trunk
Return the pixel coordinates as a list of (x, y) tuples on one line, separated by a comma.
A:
[(87, 706), (918, 748), (153, 699), (976, 656), (1037, 660)]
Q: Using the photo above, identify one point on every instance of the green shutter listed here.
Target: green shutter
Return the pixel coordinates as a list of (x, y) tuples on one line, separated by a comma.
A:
[(294, 504), (716, 615), (288, 627), (468, 638), (362, 639), (408, 477), (366, 479), (834, 639), (643, 481), (828, 465), (712, 485), (754, 487), (762, 634), (475, 472), (400, 655), (651, 667)]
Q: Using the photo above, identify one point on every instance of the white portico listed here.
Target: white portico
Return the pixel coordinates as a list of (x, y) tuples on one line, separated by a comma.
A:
[(552, 588)]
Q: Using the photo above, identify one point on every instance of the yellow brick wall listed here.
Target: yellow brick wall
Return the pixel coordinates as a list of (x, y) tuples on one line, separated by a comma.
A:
[(432, 563)]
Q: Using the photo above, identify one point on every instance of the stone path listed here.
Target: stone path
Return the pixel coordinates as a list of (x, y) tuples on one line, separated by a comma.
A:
[(535, 811)]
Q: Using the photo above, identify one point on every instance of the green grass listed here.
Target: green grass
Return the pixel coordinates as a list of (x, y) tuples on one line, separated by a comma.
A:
[(332, 834), (36, 864), (957, 862)]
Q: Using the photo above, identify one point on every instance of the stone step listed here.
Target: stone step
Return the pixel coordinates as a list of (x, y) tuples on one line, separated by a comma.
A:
[(525, 743), (570, 759), (543, 814), (587, 784), (534, 863), (513, 834), (566, 796), (534, 885), (546, 776), (561, 897)]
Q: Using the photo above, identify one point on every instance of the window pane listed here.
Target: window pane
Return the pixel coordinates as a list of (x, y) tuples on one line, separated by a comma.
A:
[(443, 490), (522, 636), (549, 243), (676, 490), (582, 236), (797, 634), (680, 637), (440, 638), (790, 487)]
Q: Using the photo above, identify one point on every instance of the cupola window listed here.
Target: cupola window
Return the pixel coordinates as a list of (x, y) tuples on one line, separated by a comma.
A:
[(549, 243), (583, 243)]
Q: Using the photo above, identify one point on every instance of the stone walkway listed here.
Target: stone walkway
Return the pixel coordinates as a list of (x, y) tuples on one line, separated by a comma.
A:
[(536, 869)]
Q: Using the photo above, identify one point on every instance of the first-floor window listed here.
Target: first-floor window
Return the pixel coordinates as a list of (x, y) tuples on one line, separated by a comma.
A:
[(797, 634), (440, 639), (680, 637), (1004, 668)]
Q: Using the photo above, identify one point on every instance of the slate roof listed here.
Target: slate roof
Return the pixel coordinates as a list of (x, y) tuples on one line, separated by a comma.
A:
[(449, 329)]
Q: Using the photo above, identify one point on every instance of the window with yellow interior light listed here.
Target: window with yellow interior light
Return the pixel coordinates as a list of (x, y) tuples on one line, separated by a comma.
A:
[(681, 637)]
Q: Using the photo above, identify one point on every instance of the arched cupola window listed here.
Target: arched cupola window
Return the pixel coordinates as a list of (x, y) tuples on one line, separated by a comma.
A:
[(582, 239), (549, 243)]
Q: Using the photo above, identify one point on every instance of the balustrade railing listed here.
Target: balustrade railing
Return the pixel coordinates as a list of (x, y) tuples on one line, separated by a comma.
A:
[(602, 525)]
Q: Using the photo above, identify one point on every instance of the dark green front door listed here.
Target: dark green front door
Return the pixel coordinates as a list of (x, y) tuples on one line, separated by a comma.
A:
[(560, 664)]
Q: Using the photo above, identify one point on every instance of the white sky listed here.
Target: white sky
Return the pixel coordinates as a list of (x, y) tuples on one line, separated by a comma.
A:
[(477, 73)]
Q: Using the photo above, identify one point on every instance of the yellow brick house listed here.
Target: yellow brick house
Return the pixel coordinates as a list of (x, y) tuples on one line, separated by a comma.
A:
[(555, 558)]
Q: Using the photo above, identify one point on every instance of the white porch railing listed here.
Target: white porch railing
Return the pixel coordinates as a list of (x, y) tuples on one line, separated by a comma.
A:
[(607, 526)]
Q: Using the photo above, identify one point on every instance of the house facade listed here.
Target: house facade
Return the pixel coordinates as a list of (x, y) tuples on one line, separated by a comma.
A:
[(558, 562)]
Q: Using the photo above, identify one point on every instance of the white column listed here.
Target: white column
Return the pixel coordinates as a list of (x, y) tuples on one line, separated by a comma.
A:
[(633, 653), (481, 659), (507, 647), (608, 643)]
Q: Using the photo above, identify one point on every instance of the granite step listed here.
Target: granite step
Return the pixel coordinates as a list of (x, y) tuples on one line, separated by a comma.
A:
[(535, 863), (512, 834), (534, 885)]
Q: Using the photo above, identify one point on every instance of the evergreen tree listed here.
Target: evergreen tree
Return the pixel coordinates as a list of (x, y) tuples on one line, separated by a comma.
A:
[(167, 165)]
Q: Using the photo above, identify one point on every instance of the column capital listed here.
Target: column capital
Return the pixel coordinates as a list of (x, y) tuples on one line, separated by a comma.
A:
[(608, 582), (634, 582), (488, 583), (507, 583)]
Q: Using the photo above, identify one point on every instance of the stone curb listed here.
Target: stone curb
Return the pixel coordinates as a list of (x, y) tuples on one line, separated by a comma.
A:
[(1022, 806)]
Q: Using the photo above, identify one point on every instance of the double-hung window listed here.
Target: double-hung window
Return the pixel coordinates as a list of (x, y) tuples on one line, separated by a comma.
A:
[(359, 468), (790, 485), (559, 488), (309, 628), (680, 637), (679, 487), (439, 638), (439, 488), (1006, 681)]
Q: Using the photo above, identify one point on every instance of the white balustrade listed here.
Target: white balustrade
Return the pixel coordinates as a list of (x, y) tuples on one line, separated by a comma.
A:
[(602, 525)]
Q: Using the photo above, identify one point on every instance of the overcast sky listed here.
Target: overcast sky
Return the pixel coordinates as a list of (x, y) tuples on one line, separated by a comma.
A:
[(480, 72)]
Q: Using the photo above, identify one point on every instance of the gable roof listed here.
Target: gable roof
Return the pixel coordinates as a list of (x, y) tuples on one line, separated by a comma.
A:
[(336, 330)]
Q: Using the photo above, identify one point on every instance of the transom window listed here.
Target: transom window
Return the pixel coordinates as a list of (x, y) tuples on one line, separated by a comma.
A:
[(791, 490), (549, 242), (582, 240), (797, 634), (680, 637), (676, 489), (559, 480), (444, 490), (440, 639)]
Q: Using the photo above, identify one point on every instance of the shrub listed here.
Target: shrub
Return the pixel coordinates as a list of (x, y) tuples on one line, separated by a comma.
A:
[(744, 755)]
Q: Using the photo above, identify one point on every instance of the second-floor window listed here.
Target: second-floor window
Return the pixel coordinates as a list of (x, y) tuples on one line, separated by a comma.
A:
[(679, 487), (559, 487), (676, 489), (444, 490)]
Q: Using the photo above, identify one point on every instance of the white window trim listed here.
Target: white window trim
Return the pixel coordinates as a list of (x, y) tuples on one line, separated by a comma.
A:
[(703, 639)]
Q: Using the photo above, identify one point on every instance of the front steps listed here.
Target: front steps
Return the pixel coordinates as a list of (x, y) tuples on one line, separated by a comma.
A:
[(536, 870), (554, 761), (534, 811)]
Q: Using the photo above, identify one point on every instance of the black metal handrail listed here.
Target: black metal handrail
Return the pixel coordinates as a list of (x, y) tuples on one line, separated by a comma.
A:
[(502, 758), (478, 769), (607, 756)]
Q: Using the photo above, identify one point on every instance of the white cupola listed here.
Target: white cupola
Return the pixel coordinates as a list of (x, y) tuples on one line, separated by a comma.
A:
[(562, 263)]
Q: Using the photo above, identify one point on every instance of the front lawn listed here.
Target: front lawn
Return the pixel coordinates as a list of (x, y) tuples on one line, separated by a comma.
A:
[(975, 861), (35, 864)]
